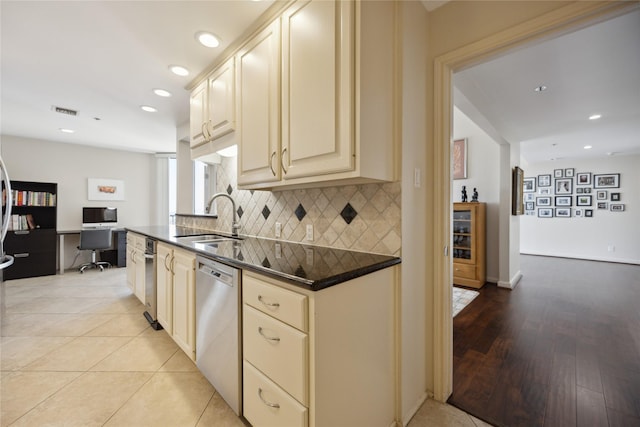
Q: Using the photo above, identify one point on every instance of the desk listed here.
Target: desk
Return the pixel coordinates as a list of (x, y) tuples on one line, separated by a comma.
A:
[(119, 244)]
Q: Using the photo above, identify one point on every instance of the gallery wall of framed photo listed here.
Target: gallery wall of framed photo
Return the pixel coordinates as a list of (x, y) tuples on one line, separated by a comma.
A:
[(566, 193), (582, 208)]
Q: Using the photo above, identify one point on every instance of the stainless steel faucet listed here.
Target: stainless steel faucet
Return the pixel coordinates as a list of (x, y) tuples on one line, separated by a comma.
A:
[(235, 226)]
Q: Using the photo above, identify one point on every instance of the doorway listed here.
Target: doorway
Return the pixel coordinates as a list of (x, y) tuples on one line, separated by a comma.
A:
[(551, 24)]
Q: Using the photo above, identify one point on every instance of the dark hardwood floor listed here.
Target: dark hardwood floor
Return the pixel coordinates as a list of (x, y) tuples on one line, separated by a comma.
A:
[(562, 349)]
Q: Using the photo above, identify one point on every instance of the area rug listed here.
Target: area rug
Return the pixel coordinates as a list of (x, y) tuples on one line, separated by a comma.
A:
[(462, 298)]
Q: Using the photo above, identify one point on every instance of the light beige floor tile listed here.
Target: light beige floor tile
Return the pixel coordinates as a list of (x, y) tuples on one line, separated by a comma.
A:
[(27, 304), (16, 325), (53, 325), (123, 325), (139, 354), (80, 354), (18, 352), (88, 401), (179, 362), (125, 304), (219, 414), (436, 414), (22, 391), (168, 399)]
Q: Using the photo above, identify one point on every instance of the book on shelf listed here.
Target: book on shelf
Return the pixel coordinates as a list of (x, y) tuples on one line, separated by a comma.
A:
[(33, 198), (22, 222)]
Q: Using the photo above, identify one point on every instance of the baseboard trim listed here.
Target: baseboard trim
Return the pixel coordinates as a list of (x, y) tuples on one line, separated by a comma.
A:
[(511, 284), (414, 409), (585, 258)]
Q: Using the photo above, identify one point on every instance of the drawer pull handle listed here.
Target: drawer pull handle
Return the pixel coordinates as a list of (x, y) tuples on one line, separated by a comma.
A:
[(276, 339), (266, 402), (21, 255), (268, 304)]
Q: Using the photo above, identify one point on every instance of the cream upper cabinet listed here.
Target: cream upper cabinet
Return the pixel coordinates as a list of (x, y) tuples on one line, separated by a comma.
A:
[(317, 87), (258, 108), (212, 106), (184, 301), (164, 280), (338, 99)]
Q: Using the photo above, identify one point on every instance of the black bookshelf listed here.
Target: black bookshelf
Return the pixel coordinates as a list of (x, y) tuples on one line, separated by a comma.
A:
[(32, 235)]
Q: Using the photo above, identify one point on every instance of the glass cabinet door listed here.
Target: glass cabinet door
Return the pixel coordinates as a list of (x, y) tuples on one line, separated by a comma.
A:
[(462, 235)]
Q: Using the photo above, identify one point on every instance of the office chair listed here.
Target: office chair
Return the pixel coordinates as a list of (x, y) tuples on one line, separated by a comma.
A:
[(94, 240)]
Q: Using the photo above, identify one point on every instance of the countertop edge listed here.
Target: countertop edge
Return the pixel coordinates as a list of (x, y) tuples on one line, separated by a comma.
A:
[(312, 285)]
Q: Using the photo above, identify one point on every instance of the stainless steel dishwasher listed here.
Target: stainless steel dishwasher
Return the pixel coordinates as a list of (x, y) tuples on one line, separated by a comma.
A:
[(151, 285), (218, 328)]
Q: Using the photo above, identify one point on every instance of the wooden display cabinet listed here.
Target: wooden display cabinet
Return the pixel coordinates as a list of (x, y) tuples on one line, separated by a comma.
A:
[(469, 247)]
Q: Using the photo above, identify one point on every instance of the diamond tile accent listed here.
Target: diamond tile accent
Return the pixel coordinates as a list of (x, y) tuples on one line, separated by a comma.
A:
[(300, 212), (240, 211), (372, 224), (266, 212), (348, 213)]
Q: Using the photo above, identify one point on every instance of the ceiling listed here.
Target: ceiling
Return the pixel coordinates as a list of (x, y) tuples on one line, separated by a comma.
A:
[(103, 58), (592, 71)]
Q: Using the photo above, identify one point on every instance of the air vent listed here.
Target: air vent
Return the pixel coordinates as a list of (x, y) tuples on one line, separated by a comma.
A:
[(62, 110)]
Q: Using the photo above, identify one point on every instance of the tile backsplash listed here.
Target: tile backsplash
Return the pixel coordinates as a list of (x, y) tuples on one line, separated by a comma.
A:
[(362, 217)]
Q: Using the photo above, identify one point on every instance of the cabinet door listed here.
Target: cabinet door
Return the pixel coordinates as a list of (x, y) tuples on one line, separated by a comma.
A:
[(317, 93), (198, 116), (131, 266), (258, 92), (165, 286), (221, 105), (184, 314), (139, 284)]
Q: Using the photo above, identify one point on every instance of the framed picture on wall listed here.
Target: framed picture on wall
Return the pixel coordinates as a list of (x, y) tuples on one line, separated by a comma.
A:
[(615, 197), (545, 191), (603, 205), (564, 186), (583, 201), (584, 178), (609, 180), (545, 213), (563, 201), (601, 195), (460, 158), (529, 206), (557, 173), (588, 213), (577, 212), (529, 185), (616, 207), (568, 173), (530, 197), (563, 212), (544, 181), (543, 201), (579, 190), (517, 184)]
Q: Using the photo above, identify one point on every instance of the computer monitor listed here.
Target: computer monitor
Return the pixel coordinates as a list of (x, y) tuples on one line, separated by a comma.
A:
[(93, 217)]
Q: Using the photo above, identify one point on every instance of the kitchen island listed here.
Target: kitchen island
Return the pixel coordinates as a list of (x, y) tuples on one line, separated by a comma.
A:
[(306, 335)]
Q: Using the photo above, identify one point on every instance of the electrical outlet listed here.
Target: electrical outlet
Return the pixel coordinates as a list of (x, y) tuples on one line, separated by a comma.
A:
[(278, 229), (417, 178), (310, 232)]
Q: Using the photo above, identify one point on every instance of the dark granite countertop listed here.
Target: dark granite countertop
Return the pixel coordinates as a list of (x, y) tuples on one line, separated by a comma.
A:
[(308, 266)]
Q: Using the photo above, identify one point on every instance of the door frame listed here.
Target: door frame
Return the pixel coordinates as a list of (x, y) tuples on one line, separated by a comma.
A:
[(552, 24)]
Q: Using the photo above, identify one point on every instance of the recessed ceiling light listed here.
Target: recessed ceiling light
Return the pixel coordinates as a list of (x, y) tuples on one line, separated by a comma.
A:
[(595, 116), (540, 88), (67, 130), (148, 109), (207, 39), (162, 92), (178, 70), (588, 147)]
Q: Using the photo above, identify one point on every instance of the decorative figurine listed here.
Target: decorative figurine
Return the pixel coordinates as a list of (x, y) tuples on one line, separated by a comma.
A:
[(464, 194), (474, 198)]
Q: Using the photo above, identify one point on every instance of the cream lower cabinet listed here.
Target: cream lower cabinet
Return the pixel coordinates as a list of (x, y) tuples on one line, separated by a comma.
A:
[(176, 295), (338, 94), (325, 358), (136, 265)]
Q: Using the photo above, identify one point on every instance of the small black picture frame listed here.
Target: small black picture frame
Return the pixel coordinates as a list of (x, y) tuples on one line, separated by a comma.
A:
[(583, 200), (615, 197), (583, 178), (545, 212), (569, 172), (544, 180), (588, 213)]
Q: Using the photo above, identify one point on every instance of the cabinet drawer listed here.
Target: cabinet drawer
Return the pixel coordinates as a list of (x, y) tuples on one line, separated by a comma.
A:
[(32, 241), (31, 264), (464, 270), (285, 305), (278, 350), (266, 404)]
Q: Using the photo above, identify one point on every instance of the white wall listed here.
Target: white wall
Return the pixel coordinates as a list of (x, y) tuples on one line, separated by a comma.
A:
[(589, 238), (69, 165), (483, 173)]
